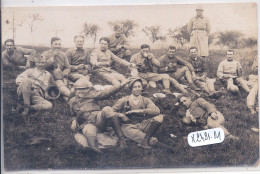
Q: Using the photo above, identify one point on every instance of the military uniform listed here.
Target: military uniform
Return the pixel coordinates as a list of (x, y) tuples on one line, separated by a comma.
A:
[(200, 69), (18, 57), (228, 71), (58, 67), (105, 71), (139, 126), (77, 56), (32, 85), (124, 52), (147, 70), (199, 29)]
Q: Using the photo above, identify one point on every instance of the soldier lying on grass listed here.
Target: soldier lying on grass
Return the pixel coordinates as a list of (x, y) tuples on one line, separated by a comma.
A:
[(89, 118), (204, 114)]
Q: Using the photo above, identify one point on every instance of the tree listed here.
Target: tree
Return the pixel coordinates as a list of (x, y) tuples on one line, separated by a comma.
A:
[(14, 24), (179, 34), (56, 30), (128, 26), (229, 38), (249, 42), (31, 20), (91, 30), (154, 33)]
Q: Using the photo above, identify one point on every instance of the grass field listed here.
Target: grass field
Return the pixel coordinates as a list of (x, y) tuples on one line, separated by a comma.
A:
[(64, 153)]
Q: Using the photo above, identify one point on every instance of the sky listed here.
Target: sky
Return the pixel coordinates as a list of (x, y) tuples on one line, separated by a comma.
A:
[(240, 16)]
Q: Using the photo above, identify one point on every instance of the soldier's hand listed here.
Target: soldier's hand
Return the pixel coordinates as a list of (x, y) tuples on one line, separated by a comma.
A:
[(118, 47), (126, 81), (137, 111), (74, 125), (80, 66), (126, 119), (149, 57)]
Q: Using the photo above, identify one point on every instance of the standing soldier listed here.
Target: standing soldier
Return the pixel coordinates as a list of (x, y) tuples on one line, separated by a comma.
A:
[(78, 58), (32, 85), (16, 56), (118, 44), (58, 64), (199, 29)]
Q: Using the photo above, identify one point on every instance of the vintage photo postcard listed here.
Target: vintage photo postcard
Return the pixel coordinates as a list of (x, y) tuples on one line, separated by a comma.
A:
[(129, 87)]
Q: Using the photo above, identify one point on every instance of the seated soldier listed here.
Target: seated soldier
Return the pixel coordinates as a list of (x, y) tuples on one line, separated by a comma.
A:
[(78, 58), (58, 65), (133, 108), (88, 116), (147, 64), (32, 85), (14, 56), (200, 69), (169, 63), (101, 59), (253, 86), (204, 114), (118, 44), (230, 71)]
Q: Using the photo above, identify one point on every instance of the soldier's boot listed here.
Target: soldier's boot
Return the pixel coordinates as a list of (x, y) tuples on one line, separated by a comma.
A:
[(26, 110), (93, 144), (194, 87), (117, 128), (150, 132)]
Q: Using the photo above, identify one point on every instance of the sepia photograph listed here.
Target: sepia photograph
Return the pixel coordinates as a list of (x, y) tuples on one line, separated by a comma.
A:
[(165, 86)]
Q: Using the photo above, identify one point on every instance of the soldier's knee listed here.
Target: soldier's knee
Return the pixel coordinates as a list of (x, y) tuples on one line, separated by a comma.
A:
[(107, 111), (158, 118), (233, 88), (165, 76), (89, 130), (186, 120), (26, 81)]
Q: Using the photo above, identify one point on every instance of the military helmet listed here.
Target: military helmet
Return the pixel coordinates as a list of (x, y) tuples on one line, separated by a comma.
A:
[(82, 83)]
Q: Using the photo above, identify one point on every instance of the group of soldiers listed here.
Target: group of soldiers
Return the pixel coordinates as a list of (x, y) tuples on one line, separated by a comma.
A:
[(99, 127)]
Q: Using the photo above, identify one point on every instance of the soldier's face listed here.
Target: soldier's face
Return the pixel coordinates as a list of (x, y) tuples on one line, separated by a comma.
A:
[(171, 53), (81, 92), (103, 45), (199, 13), (137, 88), (9, 47), (118, 32), (79, 41), (145, 52), (230, 55), (56, 45), (186, 102), (193, 53), (40, 64)]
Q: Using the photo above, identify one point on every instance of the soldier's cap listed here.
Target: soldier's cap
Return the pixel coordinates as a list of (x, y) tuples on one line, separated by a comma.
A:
[(199, 8), (117, 27), (82, 84), (133, 81)]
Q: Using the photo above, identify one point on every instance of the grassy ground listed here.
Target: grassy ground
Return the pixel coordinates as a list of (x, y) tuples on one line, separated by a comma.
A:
[(64, 153)]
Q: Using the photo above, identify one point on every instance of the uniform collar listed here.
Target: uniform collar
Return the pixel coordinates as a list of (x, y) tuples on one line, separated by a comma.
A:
[(78, 49), (199, 17)]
